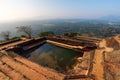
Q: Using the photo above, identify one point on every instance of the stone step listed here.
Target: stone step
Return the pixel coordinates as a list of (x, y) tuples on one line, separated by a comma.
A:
[(26, 71), (3, 76), (49, 74), (14, 75)]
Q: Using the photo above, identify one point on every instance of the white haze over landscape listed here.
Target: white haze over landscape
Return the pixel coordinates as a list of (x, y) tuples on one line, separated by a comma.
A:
[(14, 12), (18, 10)]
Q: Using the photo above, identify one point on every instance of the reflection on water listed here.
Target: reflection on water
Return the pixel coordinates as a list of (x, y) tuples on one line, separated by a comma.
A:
[(54, 57)]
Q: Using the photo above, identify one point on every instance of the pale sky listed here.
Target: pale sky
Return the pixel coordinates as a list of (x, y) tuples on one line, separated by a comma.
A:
[(13, 10)]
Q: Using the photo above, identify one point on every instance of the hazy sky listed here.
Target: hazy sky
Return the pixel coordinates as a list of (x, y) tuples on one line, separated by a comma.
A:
[(12, 10)]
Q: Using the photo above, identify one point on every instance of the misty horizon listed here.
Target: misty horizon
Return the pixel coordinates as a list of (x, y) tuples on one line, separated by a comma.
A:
[(14, 10)]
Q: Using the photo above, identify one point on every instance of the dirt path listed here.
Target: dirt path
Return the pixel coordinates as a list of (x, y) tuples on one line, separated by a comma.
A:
[(98, 69), (98, 66)]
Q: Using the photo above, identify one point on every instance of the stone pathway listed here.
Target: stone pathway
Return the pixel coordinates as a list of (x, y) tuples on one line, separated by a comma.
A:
[(19, 68)]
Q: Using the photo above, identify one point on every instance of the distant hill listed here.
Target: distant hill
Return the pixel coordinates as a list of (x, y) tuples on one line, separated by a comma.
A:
[(110, 18)]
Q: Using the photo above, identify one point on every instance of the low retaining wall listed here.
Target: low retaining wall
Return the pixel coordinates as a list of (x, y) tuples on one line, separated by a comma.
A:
[(72, 42), (10, 41), (65, 43), (28, 46), (75, 48), (76, 44)]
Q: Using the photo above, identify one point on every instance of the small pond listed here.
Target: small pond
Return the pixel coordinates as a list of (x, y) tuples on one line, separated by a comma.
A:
[(55, 57)]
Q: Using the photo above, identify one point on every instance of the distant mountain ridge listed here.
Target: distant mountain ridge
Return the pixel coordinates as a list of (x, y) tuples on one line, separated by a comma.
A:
[(110, 18)]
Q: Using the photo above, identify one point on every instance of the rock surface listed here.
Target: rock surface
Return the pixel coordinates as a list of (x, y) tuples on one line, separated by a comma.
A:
[(19, 68)]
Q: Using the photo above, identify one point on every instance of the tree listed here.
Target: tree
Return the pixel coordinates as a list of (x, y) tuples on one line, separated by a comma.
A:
[(70, 34), (27, 30), (23, 36), (5, 35), (15, 37), (90, 34), (47, 33)]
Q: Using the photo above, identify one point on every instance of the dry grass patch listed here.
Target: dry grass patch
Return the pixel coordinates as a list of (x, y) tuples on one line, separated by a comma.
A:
[(112, 65)]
